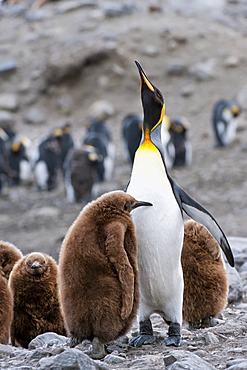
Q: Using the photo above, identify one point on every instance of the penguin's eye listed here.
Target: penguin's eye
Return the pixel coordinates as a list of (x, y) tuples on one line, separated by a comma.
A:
[(159, 96)]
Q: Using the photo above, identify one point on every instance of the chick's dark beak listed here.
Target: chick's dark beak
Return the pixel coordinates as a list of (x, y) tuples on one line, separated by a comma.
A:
[(140, 204), (35, 265)]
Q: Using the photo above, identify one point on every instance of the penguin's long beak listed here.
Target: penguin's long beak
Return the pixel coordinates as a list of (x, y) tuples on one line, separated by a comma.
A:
[(143, 78), (140, 204), (152, 102)]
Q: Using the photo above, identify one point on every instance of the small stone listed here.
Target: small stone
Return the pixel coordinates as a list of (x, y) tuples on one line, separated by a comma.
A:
[(231, 62), (113, 359), (46, 340), (8, 65), (6, 119), (9, 102), (176, 68), (169, 359), (34, 116), (211, 338), (203, 71), (187, 90), (151, 51)]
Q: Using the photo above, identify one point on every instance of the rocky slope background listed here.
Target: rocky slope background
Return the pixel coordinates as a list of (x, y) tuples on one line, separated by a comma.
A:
[(54, 63)]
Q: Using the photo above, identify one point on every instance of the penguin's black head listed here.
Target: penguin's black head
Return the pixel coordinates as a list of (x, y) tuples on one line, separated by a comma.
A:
[(152, 102)]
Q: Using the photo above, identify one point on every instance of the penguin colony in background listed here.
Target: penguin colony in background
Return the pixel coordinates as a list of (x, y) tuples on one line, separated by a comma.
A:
[(205, 276), (33, 285), (224, 120), (98, 274), (174, 136), (160, 228)]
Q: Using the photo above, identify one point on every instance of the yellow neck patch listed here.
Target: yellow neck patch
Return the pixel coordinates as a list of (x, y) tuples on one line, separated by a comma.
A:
[(147, 143)]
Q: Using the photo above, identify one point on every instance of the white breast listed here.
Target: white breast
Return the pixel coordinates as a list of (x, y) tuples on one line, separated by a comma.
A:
[(159, 228)]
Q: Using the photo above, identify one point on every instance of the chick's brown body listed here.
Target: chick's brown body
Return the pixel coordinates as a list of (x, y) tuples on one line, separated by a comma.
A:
[(33, 283), (98, 271), (205, 276)]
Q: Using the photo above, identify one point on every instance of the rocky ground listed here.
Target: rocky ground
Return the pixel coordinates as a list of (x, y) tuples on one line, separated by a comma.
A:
[(56, 61)]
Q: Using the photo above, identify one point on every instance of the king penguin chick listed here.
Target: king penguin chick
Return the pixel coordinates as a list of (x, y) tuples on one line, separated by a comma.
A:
[(6, 309), (160, 229), (9, 255), (33, 283), (98, 277), (205, 276), (225, 122)]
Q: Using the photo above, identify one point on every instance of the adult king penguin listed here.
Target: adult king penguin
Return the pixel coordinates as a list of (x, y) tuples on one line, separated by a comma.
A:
[(160, 228)]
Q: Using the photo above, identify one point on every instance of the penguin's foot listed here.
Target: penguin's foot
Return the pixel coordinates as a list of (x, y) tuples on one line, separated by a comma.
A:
[(98, 350), (142, 339), (145, 335), (211, 321), (74, 341), (174, 335)]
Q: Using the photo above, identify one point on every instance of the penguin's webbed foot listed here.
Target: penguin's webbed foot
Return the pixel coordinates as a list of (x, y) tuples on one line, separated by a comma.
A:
[(145, 335), (174, 335), (142, 339), (74, 341), (98, 350)]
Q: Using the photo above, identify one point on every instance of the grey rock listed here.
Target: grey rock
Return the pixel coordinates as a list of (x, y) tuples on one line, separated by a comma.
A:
[(42, 213), (187, 90), (235, 285), (71, 358), (71, 5), (69, 64), (231, 62), (203, 71), (151, 51), (8, 65), (6, 119), (239, 364), (34, 116), (118, 10), (176, 68), (242, 97), (188, 361), (211, 338), (147, 362), (9, 102), (243, 268), (113, 359), (46, 340)]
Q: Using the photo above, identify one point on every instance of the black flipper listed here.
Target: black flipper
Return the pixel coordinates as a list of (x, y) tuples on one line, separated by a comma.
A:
[(196, 211)]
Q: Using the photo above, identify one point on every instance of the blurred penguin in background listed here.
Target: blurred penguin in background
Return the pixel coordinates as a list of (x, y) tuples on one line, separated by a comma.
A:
[(48, 161), (18, 165), (98, 135), (179, 130), (132, 133), (66, 141), (168, 145), (80, 173), (225, 114)]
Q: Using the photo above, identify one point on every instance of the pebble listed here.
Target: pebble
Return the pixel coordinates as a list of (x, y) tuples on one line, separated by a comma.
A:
[(9, 102)]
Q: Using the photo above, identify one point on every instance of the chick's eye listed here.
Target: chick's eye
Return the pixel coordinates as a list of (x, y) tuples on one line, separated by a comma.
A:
[(127, 206)]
